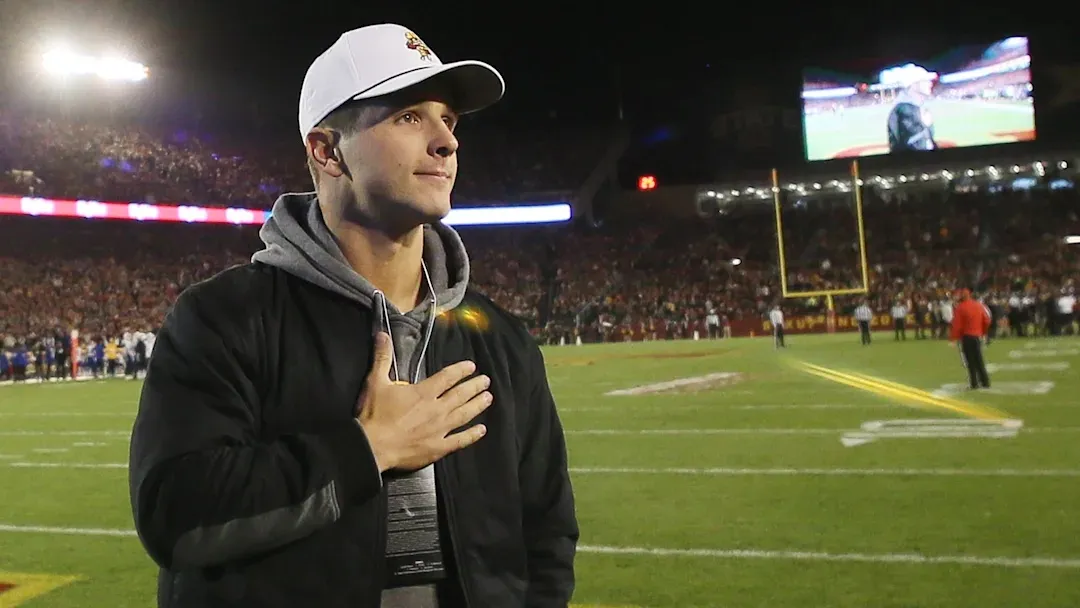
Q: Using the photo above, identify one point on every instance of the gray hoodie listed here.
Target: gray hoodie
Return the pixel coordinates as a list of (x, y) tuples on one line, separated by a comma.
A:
[(298, 241)]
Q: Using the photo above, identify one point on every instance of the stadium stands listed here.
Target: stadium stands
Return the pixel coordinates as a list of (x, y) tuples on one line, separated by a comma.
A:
[(57, 158), (622, 281)]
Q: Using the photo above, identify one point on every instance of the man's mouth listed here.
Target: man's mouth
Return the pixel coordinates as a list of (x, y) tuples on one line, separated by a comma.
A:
[(436, 174)]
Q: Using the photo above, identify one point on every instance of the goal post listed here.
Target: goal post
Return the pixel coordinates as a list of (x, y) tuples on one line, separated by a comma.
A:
[(828, 294)]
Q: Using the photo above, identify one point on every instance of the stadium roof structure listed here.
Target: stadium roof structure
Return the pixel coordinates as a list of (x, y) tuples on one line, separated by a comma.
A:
[(940, 174)]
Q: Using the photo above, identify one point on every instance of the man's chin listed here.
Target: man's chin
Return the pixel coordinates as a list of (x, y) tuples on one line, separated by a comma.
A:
[(428, 212)]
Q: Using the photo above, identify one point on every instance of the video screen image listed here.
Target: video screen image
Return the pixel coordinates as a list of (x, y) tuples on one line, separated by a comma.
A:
[(969, 96)]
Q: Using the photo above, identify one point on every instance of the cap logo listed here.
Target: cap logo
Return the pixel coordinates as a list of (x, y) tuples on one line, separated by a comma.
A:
[(414, 42)]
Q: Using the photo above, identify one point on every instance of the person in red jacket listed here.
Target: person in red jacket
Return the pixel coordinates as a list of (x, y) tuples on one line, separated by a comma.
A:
[(970, 323)]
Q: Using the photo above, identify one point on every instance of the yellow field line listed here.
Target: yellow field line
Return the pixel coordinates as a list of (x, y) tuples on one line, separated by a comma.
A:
[(904, 393)]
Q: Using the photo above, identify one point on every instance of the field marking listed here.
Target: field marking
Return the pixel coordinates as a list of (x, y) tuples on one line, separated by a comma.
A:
[(1048, 343), (820, 556), (1053, 366), (71, 531), (88, 444), (820, 472), (65, 433), (947, 428), (720, 407), (747, 431), (1028, 353), (612, 432), (67, 465), (714, 471), (66, 414), (661, 387), (1040, 387), (908, 395), (780, 431), (25, 587), (11, 456), (788, 555), (50, 450), (818, 406)]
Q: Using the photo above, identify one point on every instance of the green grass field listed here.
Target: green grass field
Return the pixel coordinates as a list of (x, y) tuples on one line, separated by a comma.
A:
[(862, 131), (734, 493)]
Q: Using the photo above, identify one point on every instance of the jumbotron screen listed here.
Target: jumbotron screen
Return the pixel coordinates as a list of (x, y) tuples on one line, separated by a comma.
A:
[(969, 96)]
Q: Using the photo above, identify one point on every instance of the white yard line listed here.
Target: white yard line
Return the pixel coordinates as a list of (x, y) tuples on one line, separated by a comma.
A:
[(818, 556), (746, 554), (721, 407), (67, 465), (65, 433), (71, 531), (67, 414), (823, 472), (706, 431), (762, 431), (818, 406), (713, 471)]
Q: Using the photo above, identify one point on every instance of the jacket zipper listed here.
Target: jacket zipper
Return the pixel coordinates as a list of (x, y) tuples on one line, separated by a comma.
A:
[(443, 485), (379, 580)]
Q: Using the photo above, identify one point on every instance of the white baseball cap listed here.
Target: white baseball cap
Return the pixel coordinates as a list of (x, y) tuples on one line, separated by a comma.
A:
[(381, 59)]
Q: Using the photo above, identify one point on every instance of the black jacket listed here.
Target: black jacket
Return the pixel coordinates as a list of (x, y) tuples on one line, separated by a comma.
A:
[(251, 484), (908, 129)]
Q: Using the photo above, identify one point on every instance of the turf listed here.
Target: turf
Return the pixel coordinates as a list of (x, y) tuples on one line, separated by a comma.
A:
[(861, 131), (735, 494)]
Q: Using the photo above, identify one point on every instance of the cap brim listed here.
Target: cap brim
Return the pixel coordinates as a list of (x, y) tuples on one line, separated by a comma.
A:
[(474, 85)]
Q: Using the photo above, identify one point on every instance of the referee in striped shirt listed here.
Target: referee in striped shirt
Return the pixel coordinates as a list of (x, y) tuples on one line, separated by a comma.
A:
[(899, 317), (863, 315)]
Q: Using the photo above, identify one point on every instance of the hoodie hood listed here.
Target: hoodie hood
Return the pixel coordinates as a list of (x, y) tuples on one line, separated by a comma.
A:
[(298, 241)]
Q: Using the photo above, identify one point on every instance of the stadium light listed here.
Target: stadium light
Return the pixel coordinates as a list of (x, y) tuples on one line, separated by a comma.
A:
[(66, 63), (1072, 239), (736, 261)]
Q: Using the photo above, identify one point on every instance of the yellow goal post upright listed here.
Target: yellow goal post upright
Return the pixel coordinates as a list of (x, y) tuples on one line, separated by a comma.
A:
[(856, 186)]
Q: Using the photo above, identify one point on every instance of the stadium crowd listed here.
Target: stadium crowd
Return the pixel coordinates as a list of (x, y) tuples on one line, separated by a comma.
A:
[(629, 279), (59, 158)]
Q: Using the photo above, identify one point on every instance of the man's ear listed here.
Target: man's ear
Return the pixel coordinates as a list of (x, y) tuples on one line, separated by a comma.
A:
[(322, 149)]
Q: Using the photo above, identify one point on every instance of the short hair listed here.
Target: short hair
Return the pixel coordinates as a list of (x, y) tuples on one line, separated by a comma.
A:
[(344, 119)]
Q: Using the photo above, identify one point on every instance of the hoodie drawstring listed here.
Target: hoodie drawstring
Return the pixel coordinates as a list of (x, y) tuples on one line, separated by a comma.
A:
[(431, 320), (380, 300)]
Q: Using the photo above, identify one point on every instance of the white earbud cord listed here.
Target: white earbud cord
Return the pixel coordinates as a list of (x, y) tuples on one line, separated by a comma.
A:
[(381, 297)]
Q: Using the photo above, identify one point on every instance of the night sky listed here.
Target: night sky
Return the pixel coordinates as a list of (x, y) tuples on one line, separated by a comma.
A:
[(569, 63)]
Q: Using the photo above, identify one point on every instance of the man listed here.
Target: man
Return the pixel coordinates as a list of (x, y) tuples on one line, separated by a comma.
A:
[(899, 318), (1066, 307), (1016, 326), (863, 316), (945, 314), (910, 124), (989, 337), (712, 323), (921, 309), (970, 323), (343, 422), (127, 342), (776, 317)]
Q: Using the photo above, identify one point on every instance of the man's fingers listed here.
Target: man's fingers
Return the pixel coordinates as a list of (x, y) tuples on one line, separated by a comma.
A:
[(384, 358), (464, 414), (445, 379), (465, 391), (464, 439)]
